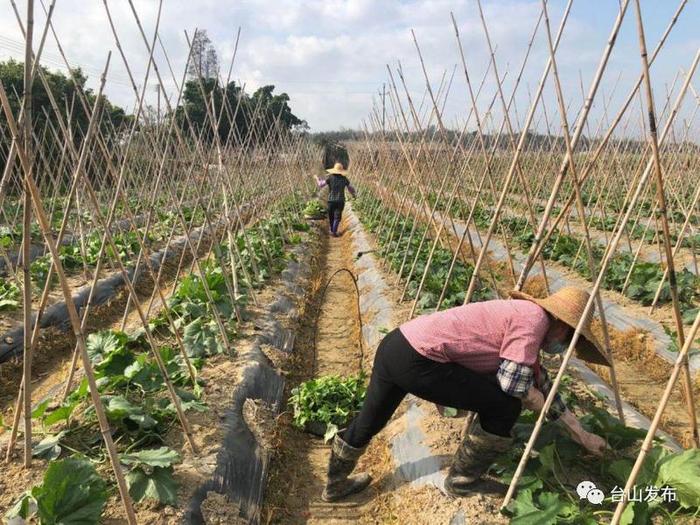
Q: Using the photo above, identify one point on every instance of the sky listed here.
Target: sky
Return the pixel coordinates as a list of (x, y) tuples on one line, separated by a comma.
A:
[(331, 56)]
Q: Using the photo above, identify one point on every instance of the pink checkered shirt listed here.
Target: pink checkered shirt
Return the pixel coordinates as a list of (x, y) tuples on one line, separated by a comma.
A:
[(479, 336)]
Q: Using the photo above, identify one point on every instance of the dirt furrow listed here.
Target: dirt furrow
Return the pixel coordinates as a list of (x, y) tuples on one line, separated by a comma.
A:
[(331, 325)]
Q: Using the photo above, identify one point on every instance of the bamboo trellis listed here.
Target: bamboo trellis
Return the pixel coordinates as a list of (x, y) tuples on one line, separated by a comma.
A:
[(100, 181), (596, 179)]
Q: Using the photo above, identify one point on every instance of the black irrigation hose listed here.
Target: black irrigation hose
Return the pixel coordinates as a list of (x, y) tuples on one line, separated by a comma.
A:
[(318, 314), (360, 254)]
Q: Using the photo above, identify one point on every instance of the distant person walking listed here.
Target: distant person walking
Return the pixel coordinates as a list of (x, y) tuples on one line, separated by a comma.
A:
[(336, 182)]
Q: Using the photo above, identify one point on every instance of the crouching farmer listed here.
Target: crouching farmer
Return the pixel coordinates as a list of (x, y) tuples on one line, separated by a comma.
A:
[(482, 357)]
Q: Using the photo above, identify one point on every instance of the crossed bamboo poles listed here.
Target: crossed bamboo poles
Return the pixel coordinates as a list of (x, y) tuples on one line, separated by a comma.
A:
[(195, 155), (578, 169), (568, 165)]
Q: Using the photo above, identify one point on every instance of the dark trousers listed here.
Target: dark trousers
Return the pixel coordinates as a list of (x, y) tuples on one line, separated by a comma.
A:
[(335, 213), (399, 370)]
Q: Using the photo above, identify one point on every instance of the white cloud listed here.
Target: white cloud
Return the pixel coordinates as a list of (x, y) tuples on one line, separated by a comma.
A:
[(331, 56)]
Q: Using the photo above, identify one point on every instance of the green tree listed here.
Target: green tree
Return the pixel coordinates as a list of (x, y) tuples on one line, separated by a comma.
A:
[(259, 111), (64, 89)]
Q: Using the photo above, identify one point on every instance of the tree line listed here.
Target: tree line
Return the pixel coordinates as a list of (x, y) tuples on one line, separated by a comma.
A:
[(240, 117)]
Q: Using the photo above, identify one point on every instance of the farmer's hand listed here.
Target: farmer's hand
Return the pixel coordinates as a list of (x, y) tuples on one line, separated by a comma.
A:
[(533, 400), (591, 442)]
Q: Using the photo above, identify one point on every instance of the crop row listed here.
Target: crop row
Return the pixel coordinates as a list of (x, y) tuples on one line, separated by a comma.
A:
[(133, 389), (400, 248), (547, 489), (482, 217), (643, 281), (644, 276)]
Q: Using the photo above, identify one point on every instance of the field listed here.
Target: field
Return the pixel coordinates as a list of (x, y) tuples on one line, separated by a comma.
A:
[(181, 337)]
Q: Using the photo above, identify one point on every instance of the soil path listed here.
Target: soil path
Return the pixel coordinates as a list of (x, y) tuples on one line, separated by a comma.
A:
[(338, 333), (298, 473)]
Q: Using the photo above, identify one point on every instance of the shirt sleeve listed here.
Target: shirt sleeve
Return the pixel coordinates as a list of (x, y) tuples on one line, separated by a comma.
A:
[(558, 406), (352, 190), (515, 379)]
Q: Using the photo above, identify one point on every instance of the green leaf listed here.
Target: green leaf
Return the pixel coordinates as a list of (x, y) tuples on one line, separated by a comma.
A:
[(627, 517), (8, 304), (636, 513), (546, 457), (158, 484), (23, 508), (144, 421), (689, 315), (80, 393), (525, 512), (144, 373), (681, 471), (328, 399), (616, 433), (188, 401), (49, 448), (158, 457), (621, 468), (72, 493), (202, 339), (119, 408), (104, 343), (62, 413), (40, 409), (550, 500), (449, 412)]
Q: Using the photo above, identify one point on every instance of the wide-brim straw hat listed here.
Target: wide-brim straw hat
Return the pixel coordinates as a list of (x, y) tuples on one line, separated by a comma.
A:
[(567, 305), (337, 169)]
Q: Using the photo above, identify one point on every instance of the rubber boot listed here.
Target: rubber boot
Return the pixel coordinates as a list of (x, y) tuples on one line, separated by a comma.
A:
[(474, 456), (340, 484)]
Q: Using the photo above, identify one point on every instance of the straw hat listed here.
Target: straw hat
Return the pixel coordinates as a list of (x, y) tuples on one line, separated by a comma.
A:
[(337, 169), (567, 305)]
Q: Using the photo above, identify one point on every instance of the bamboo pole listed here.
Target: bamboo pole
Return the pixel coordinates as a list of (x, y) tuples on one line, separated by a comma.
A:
[(581, 211), (33, 340), (677, 247), (510, 134), (490, 157), (73, 314), (540, 241), (92, 197), (511, 170), (662, 214), (232, 119), (217, 316), (459, 145), (651, 432), (27, 240), (588, 310)]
